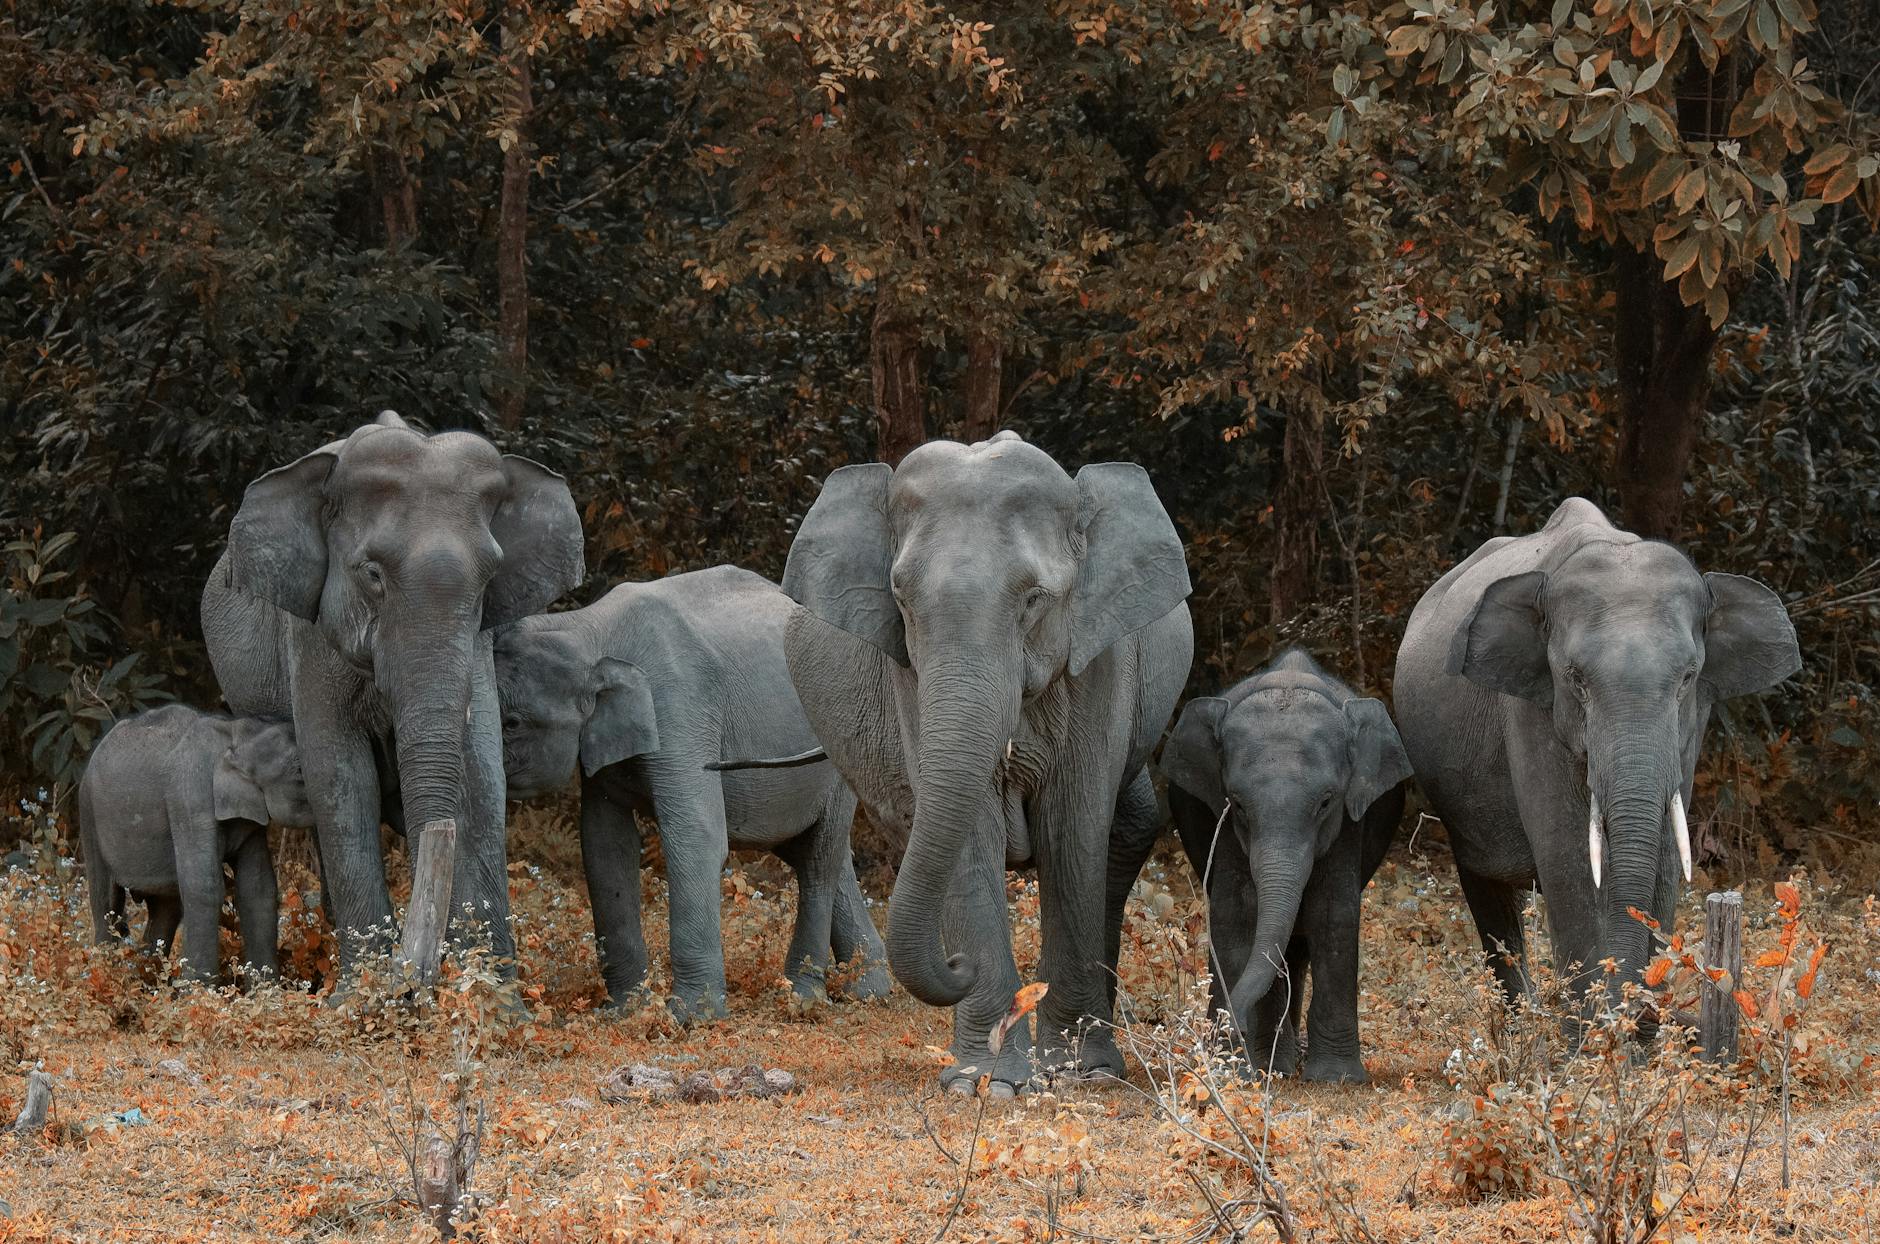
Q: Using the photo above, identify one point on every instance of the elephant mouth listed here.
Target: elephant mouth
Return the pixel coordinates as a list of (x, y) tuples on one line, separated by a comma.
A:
[(1598, 849)]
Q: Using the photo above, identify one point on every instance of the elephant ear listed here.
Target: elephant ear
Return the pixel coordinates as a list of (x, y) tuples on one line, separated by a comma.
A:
[(277, 541), (1749, 643), (1503, 644), (1133, 570), (1192, 757), (842, 555), (624, 722), (235, 785), (539, 530), (1378, 760)]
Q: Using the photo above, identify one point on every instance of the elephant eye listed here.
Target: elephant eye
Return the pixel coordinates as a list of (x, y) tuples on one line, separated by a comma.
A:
[(1577, 680), (373, 576), (1325, 801), (512, 721)]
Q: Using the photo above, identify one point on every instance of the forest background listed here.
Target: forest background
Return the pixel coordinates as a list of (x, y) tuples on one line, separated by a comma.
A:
[(1360, 286)]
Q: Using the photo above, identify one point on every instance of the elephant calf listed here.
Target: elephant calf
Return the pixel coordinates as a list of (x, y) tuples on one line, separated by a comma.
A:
[(167, 797), (642, 689), (1315, 776)]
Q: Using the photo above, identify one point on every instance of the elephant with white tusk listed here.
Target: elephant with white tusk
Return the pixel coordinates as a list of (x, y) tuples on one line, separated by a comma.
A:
[(1552, 692)]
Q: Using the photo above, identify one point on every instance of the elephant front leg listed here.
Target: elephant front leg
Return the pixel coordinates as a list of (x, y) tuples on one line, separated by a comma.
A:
[(1074, 839), (978, 926), (852, 931), (610, 856), (342, 782), (690, 806), (257, 903), (1132, 838), (1331, 912), (480, 872), (199, 884)]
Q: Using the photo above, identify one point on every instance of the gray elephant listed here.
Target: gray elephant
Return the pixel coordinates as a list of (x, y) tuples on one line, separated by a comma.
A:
[(168, 796), (1315, 775), (1553, 690), (641, 691), (989, 649), (356, 596)]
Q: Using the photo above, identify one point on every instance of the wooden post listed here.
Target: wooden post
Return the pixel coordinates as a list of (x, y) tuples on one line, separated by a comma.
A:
[(1717, 1014), (429, 911), (38, 1102), (439, 1183)]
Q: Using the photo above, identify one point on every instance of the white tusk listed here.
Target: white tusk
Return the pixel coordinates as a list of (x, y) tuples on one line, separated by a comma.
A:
[(1682, 831), (1008, 749), (1595, 841)]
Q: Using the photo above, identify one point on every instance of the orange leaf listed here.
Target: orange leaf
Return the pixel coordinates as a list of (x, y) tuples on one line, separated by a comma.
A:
[(1806, 985), (1772, 958), (1215, 149), (1790, 898), (1656, 973), (1746, 1004), (1641, 917), (1024, 1002)]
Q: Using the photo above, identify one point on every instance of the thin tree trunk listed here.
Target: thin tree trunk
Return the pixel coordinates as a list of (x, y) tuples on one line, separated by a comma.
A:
[(1663, 351), (512, 277), (1515, 423), (897, 363), (1296, 513), (398, 198), (985, 368)]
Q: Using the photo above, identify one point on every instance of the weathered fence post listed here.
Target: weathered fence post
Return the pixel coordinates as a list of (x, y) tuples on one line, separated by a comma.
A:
[(429, 911), (1717, 1014), (38, 1102)]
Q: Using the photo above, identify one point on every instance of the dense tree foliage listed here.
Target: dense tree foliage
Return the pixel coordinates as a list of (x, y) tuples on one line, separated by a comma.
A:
[(1361, 286)]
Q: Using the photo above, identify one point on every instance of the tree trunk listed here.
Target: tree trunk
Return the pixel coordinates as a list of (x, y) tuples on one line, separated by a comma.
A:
[(1662, 349), (512, 277), (398, 198), (1296, 511), (898, 364), (985, 367)]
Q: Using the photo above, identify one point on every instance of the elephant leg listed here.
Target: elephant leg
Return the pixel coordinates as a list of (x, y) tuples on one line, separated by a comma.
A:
[(690, 806), (1132, 838), (200, 886), (610, 856), (1331, 910), (343, 789), (977, 924), (807, 962), (1496, 907), (852, 930), (1272, 1039), (163, 914), (1073, 888), (480, 872), (257, 902)]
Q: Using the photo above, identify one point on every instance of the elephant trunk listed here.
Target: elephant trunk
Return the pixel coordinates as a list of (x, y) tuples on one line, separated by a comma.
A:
[(1633, 776), (427, 683), (968, 710), (1279, 875)]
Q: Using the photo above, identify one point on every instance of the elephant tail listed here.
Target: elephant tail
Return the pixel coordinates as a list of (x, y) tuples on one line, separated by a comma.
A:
[(813, 756), (106, 900)]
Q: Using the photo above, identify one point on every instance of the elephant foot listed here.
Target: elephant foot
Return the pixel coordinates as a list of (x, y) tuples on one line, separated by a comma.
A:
[(1334, 1068), (870, 985), (697, 1007), (1276, 1053), (1090, 1055), (1011, 1071)]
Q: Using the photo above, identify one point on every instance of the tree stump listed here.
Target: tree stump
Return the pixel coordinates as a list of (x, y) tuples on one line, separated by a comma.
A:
[(38, 1102), (439, 1183), (429, 912), (1717, 1015)]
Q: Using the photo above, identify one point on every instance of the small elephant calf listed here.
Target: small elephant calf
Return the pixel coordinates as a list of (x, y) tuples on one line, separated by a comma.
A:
[(1315, 776), (167, 797), (641, 690)]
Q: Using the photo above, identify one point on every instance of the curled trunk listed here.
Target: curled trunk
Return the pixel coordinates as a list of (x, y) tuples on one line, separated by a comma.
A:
[(1279, 882), (968, 709)]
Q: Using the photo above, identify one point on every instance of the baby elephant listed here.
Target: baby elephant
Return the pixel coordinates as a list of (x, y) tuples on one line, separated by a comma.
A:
[(167, 797), (642, 689), (1315, 776)]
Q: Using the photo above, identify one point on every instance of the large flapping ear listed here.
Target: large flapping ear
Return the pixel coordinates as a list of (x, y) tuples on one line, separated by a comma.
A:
[(1378, 760), (1192, 758), (624, 722), (1749, 642), (235, 786), (842, 555), (1133, 570), (277, 541), (539, 530), (1503, 645)]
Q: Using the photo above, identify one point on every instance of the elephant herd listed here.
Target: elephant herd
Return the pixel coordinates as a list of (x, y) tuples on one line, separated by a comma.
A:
[(984, 650)]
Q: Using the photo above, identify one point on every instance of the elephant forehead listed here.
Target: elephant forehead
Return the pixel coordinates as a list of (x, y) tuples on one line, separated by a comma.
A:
[(987, 473), (532, 661), (1603, 581), (1297, 719), (388, 462)]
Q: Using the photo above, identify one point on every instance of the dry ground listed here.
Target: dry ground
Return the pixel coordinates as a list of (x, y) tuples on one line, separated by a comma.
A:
[(272, 1116)]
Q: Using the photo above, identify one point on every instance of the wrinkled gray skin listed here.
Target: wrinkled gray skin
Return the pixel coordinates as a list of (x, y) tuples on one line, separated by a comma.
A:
[(355, 596), (1316, 776), (167, 797), (988, 650), (1549, 669), (640, 691)]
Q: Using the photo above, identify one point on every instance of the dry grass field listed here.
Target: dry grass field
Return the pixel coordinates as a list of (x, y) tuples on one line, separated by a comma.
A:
[(274, 1115)]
